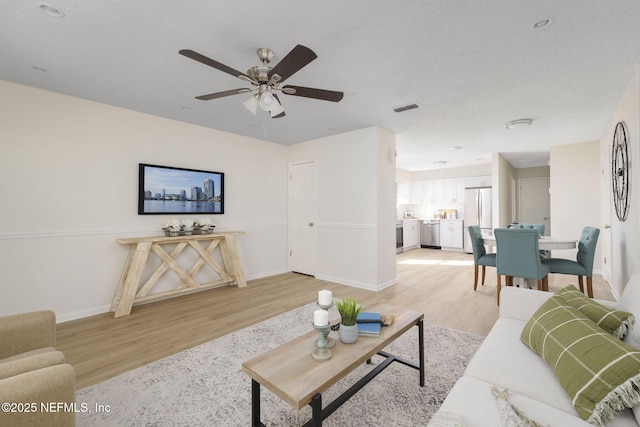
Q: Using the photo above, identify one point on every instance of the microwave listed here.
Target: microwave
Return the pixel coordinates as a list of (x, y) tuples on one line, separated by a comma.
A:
[(409, 215)]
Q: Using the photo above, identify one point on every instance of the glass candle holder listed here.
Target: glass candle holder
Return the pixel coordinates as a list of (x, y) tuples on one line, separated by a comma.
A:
[(321, 353), (331, 343)]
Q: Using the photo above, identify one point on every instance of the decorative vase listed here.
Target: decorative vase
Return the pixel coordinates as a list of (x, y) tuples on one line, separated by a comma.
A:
[(174, 232), (188, 231), (348, 334)]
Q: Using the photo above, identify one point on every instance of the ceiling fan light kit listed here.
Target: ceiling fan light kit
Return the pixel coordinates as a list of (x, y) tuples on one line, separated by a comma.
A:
[(252, 104), (266, 80)]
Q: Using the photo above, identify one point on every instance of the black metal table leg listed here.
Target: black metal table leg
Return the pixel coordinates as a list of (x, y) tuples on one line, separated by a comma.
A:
[(255, 404), (421, 350), (316, 410)]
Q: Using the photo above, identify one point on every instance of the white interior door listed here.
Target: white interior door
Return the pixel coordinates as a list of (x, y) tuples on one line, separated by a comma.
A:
[(535, 206), (302, 216)]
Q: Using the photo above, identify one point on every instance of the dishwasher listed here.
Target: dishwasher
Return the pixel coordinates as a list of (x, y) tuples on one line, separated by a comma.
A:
[(430, 234)]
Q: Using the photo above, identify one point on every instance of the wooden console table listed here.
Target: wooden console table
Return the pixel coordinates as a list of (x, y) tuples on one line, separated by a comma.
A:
[(131, 290)]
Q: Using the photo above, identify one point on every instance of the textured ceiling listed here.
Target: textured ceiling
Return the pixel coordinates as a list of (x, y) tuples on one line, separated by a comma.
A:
[(471, 65)]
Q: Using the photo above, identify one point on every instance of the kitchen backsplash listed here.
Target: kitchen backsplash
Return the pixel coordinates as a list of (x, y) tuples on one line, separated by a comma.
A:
[(429, 211)]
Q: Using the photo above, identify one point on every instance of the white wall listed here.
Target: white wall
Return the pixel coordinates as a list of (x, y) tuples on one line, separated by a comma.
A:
[(475, 170), (69, 183), (625, 236), (354, 217), (502, 177), (575, 199), (386, 202)]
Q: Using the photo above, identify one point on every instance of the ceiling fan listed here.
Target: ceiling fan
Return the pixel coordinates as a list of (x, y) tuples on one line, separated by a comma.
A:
[(266, 80)]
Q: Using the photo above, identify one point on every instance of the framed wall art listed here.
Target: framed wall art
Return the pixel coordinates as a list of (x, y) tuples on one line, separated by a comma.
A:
[(171, 190)]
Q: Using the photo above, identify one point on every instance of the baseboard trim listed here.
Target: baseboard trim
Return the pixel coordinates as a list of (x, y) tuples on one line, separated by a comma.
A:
[(354, 284), (67, 317), (82, 314)]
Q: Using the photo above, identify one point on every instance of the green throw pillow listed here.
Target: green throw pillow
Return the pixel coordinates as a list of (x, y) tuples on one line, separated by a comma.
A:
[(599, 373), (613, 321)]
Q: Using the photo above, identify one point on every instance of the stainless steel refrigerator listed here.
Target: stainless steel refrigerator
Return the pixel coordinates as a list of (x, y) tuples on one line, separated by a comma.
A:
[(477, 211)]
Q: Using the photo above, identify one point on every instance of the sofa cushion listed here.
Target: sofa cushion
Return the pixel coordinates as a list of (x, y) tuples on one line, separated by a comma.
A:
[(505, 361), (27, 354), (53, 384), (599, 373), (615, 322), (472, 400), (27, 364)]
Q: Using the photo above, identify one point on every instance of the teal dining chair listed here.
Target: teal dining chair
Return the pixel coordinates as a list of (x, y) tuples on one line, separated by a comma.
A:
[(518, 255), (583, 265), (538, 227), (480, 255)]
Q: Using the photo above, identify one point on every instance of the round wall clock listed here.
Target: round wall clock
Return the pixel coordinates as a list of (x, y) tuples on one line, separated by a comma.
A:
[(620, 171)]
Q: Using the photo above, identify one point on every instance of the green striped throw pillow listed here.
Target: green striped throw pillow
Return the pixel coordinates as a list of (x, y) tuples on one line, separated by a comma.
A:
[(616, 322), (599, 373)]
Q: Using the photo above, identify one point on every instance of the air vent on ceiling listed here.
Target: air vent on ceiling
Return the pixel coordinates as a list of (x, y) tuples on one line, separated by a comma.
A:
[(406, 108)]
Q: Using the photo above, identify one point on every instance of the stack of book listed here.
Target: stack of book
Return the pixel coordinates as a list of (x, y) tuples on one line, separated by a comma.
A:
[(369, 324)]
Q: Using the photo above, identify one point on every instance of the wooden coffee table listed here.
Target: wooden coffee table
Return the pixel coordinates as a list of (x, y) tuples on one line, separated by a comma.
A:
[(291, 373)]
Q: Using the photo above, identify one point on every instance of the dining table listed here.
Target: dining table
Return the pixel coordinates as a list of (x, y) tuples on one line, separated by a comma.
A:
[(545, 243)]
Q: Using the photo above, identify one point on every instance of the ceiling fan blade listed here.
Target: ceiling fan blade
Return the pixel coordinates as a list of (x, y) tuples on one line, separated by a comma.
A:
[(282, 114), (295, 60), (215, 64), (222, 94), (309, 92)]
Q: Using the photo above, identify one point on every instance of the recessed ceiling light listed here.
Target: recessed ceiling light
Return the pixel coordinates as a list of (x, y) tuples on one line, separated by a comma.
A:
[(459, 147), (50, 10), (440, 162), (541, 23), (186, 108), (520, 123), (44, 70)]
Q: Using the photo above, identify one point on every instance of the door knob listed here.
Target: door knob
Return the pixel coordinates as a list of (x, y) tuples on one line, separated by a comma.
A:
[(607, 226), (310, 224)]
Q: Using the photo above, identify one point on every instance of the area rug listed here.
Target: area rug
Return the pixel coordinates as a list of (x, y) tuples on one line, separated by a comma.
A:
[(205, 386)]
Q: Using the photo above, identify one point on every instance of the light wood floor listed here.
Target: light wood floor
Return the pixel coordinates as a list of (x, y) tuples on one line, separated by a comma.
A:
[(438, 283)]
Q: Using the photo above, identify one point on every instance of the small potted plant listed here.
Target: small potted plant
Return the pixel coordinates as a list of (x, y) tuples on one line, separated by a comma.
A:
[(187, 226), (204, 224), (349, 310), (172, 227)]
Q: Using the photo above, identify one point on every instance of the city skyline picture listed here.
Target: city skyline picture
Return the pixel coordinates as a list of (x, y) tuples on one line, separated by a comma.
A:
[(172, 190)]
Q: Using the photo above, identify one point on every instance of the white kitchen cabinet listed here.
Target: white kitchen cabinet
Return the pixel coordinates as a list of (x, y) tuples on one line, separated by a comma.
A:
[(428, 192), (451, 234), (434, 191), (417, 193), (403, 190), (453, 190), (410, 233), (478, 181)]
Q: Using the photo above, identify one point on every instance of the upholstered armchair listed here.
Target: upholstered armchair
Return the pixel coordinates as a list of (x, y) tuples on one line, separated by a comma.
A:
[(583, 265), (480, 255), (33, 373)]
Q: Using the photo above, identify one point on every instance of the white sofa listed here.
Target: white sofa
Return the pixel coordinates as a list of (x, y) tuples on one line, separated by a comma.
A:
[(504, 361)]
